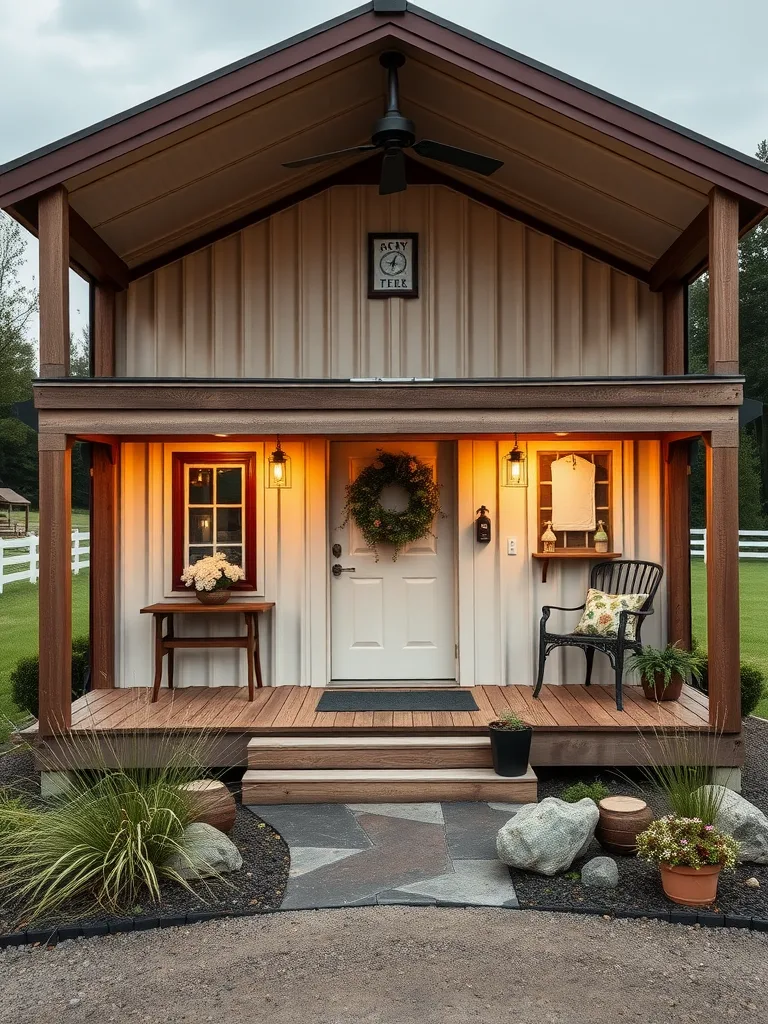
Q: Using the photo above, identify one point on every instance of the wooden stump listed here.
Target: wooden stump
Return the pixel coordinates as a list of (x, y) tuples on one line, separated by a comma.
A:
[(212, 803), (622, 818)]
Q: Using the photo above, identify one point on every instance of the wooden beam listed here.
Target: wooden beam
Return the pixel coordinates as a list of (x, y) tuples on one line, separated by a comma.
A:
[(723, 283), (686, 252), (103, 331), (55, 586), (53, 234), (103, 579), (93, 254), (678, 548), (723, 586), (674, 315)]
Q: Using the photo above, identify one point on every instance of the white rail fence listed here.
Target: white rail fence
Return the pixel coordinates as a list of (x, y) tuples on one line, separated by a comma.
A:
[(752, 543), (19, 557)]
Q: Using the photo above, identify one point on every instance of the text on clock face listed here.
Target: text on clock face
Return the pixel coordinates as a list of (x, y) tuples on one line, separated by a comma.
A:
[(392, 244)]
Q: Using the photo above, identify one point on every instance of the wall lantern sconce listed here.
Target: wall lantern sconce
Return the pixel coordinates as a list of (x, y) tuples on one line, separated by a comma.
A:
[(279, 468), (514, 468)]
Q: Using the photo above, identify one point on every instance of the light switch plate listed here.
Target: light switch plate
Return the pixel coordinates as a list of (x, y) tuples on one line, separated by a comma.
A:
[(511, 545)]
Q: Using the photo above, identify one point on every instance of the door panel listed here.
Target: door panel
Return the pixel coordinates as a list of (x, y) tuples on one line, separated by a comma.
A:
[(393, 621)]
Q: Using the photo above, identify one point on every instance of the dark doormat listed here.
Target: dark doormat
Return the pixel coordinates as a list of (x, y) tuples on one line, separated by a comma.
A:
[(397, 700)]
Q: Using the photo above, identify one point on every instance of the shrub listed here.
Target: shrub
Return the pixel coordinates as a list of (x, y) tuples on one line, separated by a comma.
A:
[(596, 791), (25, 677), (105, 842), (752, 685)]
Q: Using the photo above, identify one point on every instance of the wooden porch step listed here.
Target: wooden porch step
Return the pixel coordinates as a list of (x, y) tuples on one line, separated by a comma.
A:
[(385, 785), (411, 751)]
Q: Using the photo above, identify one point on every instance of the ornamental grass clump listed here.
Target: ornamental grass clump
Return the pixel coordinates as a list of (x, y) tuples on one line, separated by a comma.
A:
[(674, 841), (214, 572)]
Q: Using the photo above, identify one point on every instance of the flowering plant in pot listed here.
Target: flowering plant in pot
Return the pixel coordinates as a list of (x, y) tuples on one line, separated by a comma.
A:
[(662, 673), (212, 576), (510, 744), (690, 855)]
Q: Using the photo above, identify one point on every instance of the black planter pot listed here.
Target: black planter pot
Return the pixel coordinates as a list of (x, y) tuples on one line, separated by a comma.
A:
[(511, 750)]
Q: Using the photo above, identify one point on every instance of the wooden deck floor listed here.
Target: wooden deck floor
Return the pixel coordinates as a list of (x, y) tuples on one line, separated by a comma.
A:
[(291, 709), (573, 725)]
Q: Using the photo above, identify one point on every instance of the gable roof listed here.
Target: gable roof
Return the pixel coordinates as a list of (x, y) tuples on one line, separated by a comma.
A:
[(198, 158)]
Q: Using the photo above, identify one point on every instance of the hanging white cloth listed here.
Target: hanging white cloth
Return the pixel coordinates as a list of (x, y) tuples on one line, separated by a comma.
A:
[(573, 494)]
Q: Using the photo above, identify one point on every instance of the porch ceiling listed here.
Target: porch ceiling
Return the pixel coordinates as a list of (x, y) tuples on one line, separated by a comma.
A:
[(192, 162)]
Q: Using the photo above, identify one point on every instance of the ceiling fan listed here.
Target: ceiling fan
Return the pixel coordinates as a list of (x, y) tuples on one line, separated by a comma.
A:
[(394, 133)]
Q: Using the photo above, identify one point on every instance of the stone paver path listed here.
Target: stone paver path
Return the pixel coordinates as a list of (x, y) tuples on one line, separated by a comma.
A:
[(364, 854)]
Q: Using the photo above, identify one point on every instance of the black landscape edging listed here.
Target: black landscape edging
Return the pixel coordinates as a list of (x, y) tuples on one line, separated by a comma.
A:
[(50, 937)]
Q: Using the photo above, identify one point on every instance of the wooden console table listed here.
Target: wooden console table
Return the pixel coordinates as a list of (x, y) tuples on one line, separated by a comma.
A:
[(168, 643)]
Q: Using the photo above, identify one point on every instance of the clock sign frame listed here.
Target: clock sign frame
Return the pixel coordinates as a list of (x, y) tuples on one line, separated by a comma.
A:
[(393, 265)]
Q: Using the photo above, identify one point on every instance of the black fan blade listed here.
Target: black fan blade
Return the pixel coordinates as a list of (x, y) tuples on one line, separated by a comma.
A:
[(392, 173), (318, 158), (457, 157)]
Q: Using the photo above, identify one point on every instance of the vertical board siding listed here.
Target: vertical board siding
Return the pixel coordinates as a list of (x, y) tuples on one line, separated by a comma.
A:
[(288, 298), (499, 596)]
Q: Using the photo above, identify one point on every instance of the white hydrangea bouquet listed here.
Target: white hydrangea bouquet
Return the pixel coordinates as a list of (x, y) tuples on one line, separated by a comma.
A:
[(212, 576)]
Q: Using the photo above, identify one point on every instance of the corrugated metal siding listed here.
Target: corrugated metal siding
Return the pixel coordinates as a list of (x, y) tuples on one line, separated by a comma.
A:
[(499, 596), (288, 298)]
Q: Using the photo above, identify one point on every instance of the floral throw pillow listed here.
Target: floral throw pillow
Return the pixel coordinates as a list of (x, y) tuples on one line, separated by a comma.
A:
[(601, 613)]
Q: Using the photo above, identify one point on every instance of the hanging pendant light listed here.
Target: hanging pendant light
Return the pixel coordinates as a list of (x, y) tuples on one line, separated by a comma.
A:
[(279, 468), (514, 468)]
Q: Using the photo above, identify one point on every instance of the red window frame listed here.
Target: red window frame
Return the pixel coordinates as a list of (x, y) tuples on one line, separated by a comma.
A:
[(181, 460)]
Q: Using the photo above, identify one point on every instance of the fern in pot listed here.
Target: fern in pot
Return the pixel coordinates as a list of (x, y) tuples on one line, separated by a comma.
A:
[(510, 744), (663, 672)]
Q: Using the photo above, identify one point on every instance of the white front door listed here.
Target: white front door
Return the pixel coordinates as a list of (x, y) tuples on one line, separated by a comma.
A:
[(393, 622)]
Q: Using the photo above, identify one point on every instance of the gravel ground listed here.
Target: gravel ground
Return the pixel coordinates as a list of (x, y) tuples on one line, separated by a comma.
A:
[(639, 884), (395, 964), (259, 886)]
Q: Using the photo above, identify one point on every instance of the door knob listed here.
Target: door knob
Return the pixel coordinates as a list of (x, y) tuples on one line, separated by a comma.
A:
[(336, 550), (337, 569)]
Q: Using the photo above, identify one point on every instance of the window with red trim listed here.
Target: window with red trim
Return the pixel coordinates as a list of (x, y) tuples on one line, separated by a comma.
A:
[(214, 509)]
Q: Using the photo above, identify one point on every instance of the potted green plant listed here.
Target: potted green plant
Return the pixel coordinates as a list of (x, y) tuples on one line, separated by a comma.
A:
[(690, 855), (510, 744), (662, 673)]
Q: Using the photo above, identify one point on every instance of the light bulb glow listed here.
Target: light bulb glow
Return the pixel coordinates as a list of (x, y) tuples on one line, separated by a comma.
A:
[(277, 471)]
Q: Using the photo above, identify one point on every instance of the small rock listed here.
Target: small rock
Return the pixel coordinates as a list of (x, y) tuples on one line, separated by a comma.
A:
[(600, 873), (745, 822), (752, 883), (74, 1002), (206, 853)]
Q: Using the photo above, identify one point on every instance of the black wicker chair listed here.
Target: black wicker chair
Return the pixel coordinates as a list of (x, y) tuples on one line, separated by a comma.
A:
[(617, 577)]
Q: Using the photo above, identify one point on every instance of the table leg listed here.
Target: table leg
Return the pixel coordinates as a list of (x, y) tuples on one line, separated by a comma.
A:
[(250, 651), (158, 617), (169, 635), (257, 650)]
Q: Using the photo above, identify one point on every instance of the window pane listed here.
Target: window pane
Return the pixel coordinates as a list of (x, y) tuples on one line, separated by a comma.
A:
[(229, 486), (234, 553), (195, 554), (200, 525), (200, 486), (229, 526)]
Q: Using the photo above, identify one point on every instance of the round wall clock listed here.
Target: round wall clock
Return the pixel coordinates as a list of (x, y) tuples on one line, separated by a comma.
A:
[(393, 265)]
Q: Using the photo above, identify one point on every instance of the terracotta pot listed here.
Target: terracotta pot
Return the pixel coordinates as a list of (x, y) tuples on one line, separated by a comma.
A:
[(657, 690), (213, 596), (691, 887), (622, 819), (212, 803)]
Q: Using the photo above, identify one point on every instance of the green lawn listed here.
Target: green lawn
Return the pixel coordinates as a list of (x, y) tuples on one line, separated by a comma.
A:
[(753, 586), (81, 519), (18, 629)]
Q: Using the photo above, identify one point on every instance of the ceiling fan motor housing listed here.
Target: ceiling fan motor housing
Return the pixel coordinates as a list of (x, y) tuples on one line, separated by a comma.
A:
[(393, 130)]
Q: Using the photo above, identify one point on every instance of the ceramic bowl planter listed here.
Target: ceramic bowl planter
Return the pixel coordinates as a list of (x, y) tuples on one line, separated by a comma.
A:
[(510, 745), (213, 596), (622, 819), (690, 887), (211, 577)]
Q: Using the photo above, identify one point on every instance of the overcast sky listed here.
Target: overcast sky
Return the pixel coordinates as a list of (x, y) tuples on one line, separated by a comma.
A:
[(65, 64)]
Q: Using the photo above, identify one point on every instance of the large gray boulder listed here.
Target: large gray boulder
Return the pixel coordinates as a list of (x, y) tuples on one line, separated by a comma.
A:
[(600, 873), (547, 837), (745, 822), (206, 852)]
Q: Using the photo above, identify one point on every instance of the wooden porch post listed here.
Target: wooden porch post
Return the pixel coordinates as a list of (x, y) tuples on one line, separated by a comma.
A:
[(723, 584), (674, 298), (55, 584), (678, 545), (55, 469), (103, 331), (723, 282)]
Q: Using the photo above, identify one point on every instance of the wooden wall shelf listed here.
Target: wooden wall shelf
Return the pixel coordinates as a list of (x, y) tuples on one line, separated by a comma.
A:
[(574, 554)]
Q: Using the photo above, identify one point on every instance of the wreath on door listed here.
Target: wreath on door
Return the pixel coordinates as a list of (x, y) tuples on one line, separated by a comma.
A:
[(380, 525)]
